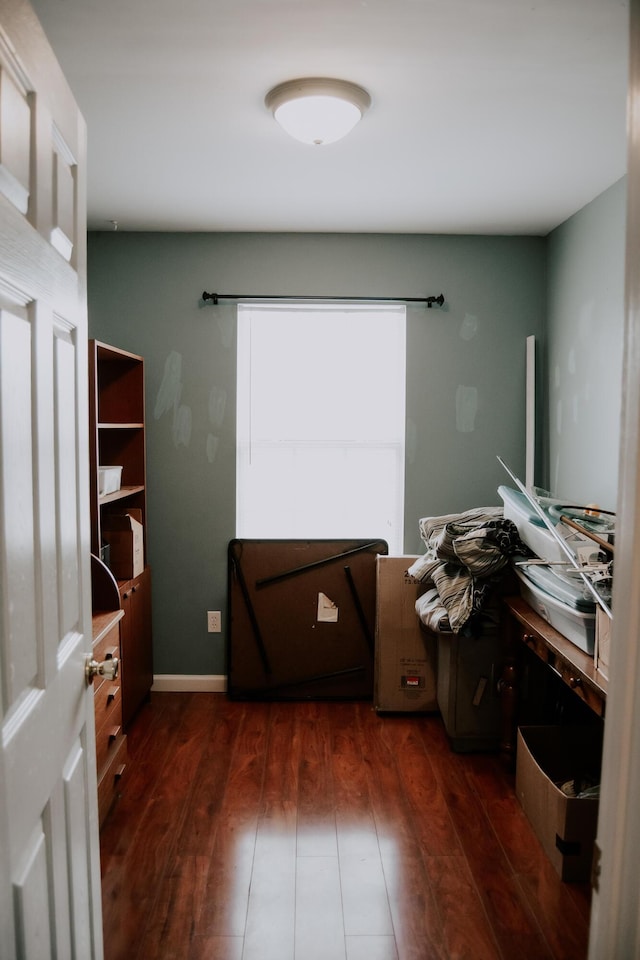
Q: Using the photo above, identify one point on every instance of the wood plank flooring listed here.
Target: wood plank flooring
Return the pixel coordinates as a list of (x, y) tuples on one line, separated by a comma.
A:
[(322, 831)]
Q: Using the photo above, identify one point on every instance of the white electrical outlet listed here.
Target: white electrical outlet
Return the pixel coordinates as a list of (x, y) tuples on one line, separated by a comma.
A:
[(214, 621)]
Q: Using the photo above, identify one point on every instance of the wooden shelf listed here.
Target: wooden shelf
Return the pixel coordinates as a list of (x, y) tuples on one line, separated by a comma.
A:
[(120, 494), (104, 621), (120, 426), (116, 429), (117, 436)]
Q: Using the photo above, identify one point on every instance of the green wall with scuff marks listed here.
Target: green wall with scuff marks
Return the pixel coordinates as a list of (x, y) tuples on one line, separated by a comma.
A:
[(465, 381)]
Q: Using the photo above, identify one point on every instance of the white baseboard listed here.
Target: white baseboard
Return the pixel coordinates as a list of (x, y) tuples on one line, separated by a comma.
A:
[(183, 683)]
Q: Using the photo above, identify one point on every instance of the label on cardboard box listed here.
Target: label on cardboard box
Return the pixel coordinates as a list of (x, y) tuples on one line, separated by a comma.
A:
[(125, 535)]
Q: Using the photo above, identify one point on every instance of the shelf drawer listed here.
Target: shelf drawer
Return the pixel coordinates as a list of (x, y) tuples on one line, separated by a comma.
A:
[(536, 644), (109, 646), (111, 778), (108, 733), (580, 686), (106, 699)]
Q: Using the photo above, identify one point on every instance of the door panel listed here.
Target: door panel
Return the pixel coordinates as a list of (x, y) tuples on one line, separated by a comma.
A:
[(15, 141), (31, 887), (77, 843), (64, 196), (66, 428), (19, 651)]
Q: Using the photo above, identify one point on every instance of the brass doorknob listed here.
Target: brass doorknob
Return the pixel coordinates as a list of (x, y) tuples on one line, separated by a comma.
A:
[(107, 668)]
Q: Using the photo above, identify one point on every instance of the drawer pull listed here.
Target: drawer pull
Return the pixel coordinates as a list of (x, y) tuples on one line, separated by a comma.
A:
[(111, 653), (119, 771), (529, 639), (113, 734), (113, 693), (575, 682)]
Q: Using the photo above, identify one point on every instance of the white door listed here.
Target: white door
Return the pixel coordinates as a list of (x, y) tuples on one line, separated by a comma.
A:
[(49, 855)]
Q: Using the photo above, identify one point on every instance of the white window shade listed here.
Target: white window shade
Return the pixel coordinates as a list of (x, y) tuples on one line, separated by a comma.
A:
[(321, 422)]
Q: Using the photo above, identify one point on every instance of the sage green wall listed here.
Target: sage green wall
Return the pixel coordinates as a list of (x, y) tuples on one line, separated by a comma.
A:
[(584, 341), (465, 381)]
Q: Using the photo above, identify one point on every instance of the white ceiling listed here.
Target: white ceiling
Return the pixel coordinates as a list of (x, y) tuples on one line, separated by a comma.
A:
[(487, 116)]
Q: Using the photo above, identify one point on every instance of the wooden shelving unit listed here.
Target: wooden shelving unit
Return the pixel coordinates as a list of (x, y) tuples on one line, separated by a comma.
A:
[(117, 431), (117, 438)]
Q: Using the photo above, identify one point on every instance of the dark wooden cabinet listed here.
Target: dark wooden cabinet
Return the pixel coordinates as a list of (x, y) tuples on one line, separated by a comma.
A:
[(525, 632), (117, 439)]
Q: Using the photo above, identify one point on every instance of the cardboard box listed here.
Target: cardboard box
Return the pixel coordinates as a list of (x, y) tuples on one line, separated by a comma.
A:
[(405, 654), (603, 642), (566, 826), (125, 535)]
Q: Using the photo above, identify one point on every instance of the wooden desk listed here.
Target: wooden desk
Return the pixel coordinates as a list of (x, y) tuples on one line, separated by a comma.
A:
[(521, 625)]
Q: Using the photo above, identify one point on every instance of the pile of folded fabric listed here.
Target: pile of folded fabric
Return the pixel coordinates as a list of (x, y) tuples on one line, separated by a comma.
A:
[(466, 557)]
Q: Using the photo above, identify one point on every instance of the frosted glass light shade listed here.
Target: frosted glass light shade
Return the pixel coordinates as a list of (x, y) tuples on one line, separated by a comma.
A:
[(317, 110)]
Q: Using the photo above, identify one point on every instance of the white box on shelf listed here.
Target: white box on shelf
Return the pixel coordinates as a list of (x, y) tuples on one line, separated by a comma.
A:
[(537, 536), (578, 627), (109, 480)]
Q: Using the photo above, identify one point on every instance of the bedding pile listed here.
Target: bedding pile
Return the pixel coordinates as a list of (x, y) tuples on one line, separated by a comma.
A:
[(465, 558)]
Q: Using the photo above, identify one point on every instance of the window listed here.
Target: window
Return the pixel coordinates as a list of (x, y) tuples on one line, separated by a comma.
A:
[(321, 422)]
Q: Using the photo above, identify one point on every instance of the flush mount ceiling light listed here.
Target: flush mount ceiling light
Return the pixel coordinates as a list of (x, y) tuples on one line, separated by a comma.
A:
[(317, 110)]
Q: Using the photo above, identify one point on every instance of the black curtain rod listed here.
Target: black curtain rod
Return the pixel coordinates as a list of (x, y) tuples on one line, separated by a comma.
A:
[(216, 297)]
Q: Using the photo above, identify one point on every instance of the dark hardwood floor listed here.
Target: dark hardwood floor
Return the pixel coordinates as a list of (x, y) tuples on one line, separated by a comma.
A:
[(322, 831)]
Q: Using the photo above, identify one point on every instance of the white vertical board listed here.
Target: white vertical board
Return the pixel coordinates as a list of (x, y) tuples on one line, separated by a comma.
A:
[(530, 431)]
